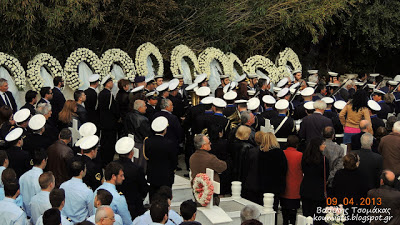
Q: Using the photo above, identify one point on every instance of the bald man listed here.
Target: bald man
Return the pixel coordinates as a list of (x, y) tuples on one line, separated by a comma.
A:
[(387, 200)]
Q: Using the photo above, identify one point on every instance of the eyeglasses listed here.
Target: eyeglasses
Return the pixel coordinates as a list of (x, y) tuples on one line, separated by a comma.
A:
[(112, 218)]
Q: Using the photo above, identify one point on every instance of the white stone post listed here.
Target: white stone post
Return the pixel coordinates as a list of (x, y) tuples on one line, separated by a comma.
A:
[(268, 202), (236, 189)]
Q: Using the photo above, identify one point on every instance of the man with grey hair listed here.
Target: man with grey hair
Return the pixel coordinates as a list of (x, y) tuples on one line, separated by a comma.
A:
[(202, 159), (174, 130), (247, 119), (7, 97), (249, 212), (51, 131), (333, 152), (313, 125), (104, 216), (371, 162), (365, 127), (137, 124), (389, 148)]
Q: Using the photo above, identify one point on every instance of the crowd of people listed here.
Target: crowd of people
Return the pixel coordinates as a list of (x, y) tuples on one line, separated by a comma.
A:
[(312, 144)]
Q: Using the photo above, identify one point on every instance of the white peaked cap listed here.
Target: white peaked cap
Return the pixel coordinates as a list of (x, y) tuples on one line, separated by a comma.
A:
[(241, 78), (203, 91), (308, 91), (87, 129), (292, 90), (253, 103), (277, 89), (333, 74), (282, 92), (230, 95), (251, 92), (309, 105), (148, 79), (241, 101), (340, 104), (179, 76), (311, 84), (268, 99), (94, 77), (21, 115), (218, 102), (373, 105), (252, 75), (37, 122), (14, 134), (207, 100), (327, 100), (313, 71), (282, 82), (136, 89), (379, 92), (200, 78), (191, 87), (173, 84), (282, 104), (162, 87), (159, 124), (124, 145), (105, 79), (296, 71), (397, 78), (393, 83), (89, 142), (374, 74)]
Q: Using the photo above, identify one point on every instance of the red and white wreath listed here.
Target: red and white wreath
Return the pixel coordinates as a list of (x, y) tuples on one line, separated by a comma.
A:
[(203, 189)]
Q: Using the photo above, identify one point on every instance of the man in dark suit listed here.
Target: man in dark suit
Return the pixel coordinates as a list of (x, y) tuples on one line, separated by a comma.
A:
[(365, 126), (387, 197), (175, 131), (162, 156), (135, 186), (288, 127), (313, 125), (109, 115), (176, 98), (91, 99), (6, 97), (371, 162), (377, 96), (80, 98), (30, 101), (152, 100), (46, 95), (58, 100)]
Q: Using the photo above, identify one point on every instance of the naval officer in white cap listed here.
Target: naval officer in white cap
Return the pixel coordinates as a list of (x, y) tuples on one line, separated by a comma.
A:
[(283, 123), (109, 115), (162, 156), (135, 186)]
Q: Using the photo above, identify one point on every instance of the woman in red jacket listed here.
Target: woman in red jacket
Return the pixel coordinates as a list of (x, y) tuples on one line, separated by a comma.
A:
[(290, 199)]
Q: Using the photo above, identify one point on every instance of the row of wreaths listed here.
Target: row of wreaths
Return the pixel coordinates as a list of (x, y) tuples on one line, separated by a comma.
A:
[(103, 65)]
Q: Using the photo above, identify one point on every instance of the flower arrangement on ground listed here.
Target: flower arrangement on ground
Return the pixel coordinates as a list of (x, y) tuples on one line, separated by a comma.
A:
[(260, 62), (181, 52), (144, 51), (116, 55), (33, 72), (207, 56), (15, 69)]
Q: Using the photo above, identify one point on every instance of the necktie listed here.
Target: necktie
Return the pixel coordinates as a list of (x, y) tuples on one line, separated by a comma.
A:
[(7, 101)]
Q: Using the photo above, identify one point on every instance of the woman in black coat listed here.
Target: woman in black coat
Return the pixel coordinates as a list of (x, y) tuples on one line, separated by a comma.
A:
[(239, 149), (354, 192), (316, 170)]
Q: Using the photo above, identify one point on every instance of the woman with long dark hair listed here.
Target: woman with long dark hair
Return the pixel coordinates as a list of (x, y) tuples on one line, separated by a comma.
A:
[(351, 115), (316, 171), (6, 120)]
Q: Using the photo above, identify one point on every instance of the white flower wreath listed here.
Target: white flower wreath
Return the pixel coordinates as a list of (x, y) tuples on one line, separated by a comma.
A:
[(33, 72), (177, 54), (72, 63), (232, 59), (116, 55), (142, 53), (207, 56), (15, 69), (287, 55), (253, 63)]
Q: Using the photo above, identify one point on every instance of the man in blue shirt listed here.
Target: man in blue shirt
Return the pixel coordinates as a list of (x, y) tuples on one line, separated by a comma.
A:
[(114, 175), (78, 197), (29, 181), (104, 198), (10, 213), (41, 202), (57, 200), (3, 165)]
